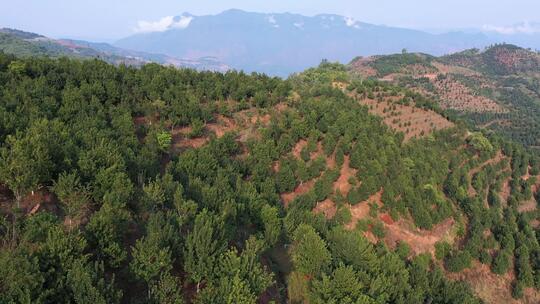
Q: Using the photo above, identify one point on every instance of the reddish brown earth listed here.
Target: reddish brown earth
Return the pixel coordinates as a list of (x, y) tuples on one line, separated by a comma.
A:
[(454, 69), (181, 140), (531, 204), (505, 190), (301, 189), (387, 219), (422, 122), (300, 145), (493, 288), (360, 211), (222, 126), (448, 89), (420, 241), (342, 183), (454, 95), (327, 208), (527, 206), (362, 67)]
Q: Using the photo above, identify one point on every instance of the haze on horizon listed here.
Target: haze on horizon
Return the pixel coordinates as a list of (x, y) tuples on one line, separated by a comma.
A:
[(110, 20)]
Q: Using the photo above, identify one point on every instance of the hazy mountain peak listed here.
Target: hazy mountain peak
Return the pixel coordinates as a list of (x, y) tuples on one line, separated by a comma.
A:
[(282, 43)]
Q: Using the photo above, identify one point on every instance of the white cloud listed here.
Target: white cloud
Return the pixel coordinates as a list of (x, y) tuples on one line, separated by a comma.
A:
[(299, 25), (163, 24), (272, 21), (522, 28), (350, 22)]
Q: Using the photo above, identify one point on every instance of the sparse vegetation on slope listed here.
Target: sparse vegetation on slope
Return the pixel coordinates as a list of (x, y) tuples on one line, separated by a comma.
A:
[(495, 89)]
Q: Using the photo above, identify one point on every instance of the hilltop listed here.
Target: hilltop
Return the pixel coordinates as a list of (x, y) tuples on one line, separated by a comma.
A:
[(495, 89), (163, 185)]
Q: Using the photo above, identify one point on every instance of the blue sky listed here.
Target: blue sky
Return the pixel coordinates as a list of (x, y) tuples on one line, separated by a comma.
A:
[(113, 19)]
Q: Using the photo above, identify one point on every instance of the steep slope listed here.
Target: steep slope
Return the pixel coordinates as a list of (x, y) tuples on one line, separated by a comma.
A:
[(284, 43), (496, 88)]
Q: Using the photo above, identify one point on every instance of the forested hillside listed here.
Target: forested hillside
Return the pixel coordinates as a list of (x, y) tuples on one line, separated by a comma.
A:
[(164, 185), (495, 89), (26, 44)]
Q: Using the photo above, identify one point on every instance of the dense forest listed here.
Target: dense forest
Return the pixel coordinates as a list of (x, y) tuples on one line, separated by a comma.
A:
[(101, 201)]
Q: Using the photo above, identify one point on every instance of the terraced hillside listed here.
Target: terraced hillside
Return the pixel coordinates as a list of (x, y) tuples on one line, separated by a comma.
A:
[(158, 185), (496, 89)]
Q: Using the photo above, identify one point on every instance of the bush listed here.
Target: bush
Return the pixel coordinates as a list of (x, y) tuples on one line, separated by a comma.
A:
[(459, 261), (442, 249), (501, 263)]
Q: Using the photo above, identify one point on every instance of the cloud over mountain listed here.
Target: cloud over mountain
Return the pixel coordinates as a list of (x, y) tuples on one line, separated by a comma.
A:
[(282, 43), (164, 24), (521, 28)]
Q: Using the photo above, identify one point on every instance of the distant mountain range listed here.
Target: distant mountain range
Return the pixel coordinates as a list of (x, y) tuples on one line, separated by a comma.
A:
[(26, 44), (280, 44), (276, 44)]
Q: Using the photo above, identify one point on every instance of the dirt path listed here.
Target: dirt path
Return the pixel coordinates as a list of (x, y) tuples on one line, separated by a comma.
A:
[(420, 241), (342, 183)]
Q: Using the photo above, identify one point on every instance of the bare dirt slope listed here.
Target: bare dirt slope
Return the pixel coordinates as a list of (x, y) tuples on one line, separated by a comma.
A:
[(412, 121)]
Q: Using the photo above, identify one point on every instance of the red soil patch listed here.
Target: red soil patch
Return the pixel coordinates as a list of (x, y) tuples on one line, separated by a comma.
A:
[(452, 69), (303, 188), (326, 207), (342, 183), (454, 95), (41, 199), (505, 189), (420, 241), (300, 145), (181, 140), (223, 125), (531, 204), (362, 67), (387, 219), (252, 116), (264, 119), (412, 121), (361, 210), (493, 288), (528, 206), (331, 161)]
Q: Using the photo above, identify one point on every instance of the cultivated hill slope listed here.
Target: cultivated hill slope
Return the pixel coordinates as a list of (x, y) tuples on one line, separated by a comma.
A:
[(497, 88), (126, 185)]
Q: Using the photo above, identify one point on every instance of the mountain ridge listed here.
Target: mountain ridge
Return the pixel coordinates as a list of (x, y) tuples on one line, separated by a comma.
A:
[(24, 44), (283, 43)]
